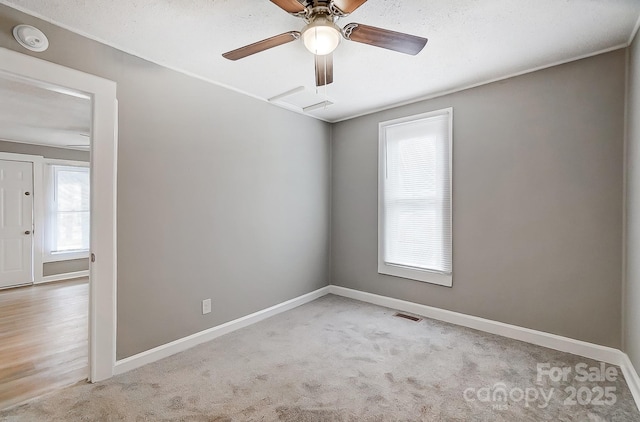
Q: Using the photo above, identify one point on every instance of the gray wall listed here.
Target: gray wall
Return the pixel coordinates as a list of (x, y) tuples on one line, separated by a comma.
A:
[(632, 288), (537, 201), (219, 195), (47, 152), (63, 267)]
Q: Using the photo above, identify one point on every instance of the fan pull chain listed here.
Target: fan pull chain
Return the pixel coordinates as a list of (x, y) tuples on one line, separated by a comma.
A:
[(324, 76), (317, 87), (321, 69), (325, 83), (325, 80)]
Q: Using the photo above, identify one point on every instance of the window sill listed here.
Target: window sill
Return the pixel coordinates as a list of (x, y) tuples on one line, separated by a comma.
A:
[(65, 256), (414, 274)]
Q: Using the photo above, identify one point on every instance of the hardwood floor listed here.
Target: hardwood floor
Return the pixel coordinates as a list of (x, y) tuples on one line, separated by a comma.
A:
[(43, 339)]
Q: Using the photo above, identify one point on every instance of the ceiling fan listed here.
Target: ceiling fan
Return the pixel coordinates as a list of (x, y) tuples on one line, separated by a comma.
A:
[(321, 35)]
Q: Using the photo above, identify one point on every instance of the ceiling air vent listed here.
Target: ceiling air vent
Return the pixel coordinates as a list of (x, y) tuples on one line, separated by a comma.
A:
[(301, 98)]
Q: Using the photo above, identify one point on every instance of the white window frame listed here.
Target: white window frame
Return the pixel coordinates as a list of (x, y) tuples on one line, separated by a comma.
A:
[(434, 277), (49, 256)]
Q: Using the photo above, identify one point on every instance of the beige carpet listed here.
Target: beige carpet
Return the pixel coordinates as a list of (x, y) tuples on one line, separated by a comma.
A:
[(337, 359)]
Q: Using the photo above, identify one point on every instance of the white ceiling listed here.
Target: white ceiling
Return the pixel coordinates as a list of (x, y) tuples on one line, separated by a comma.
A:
[(35, 115), (470, 42)]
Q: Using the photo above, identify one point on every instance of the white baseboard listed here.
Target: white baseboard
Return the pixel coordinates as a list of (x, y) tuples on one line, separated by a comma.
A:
[(65, 276), (185, 343), (631, 376), (540, 338)]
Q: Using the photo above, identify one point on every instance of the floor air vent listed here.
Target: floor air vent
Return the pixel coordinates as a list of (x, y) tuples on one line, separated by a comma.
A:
[(409, 317)]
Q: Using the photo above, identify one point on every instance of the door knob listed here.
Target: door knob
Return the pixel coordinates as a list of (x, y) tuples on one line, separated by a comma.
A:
[(27, 232)]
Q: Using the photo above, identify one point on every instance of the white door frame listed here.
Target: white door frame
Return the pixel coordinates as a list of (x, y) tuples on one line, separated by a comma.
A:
[(102, 291), (38, 208)]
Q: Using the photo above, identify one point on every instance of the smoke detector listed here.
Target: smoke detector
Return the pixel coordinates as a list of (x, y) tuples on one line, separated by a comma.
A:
[(31, 38)]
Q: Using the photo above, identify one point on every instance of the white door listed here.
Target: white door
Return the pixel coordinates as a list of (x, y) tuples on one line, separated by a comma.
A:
[(16, 223)]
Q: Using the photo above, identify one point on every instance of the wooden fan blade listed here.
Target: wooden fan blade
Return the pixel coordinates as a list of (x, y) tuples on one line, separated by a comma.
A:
[(391, 40), (259, 46), (348, 6), (290, 6), (324, 69)]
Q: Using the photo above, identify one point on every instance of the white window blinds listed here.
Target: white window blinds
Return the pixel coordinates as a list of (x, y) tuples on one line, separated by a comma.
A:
[(68, 210), (416, 193)]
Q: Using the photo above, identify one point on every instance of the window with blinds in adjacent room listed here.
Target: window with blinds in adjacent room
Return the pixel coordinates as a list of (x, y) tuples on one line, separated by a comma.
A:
[(67, 223)]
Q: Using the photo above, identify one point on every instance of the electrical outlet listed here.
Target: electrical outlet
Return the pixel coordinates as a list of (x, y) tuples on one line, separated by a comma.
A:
[(206, 306)]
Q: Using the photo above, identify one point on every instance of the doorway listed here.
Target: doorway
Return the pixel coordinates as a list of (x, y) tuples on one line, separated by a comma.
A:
[(102, 286), (44, 239)]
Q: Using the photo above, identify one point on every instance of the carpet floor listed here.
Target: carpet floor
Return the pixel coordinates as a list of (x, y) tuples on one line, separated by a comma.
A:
[(337, 359)]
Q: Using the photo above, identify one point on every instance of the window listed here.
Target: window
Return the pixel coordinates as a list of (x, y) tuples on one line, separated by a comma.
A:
[(414, 198), (67, 221)]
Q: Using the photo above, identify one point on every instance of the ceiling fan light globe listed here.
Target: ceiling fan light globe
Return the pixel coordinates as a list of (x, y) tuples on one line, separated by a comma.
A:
[(321, 39)]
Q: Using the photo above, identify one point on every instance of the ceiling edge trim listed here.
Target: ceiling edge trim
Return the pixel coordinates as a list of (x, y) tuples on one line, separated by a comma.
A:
[(478, 84), (159, 63), (634, 32)]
